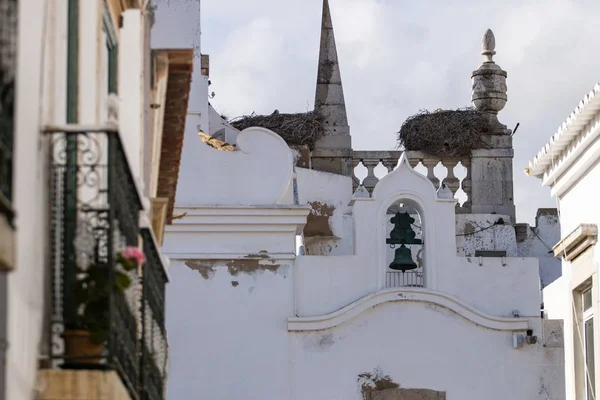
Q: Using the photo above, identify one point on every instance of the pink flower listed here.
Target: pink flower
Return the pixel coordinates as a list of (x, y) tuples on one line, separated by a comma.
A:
[(134, 254)]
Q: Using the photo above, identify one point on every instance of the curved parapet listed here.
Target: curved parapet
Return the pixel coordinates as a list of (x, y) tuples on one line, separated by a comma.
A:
[(257, 172), (407, 294)]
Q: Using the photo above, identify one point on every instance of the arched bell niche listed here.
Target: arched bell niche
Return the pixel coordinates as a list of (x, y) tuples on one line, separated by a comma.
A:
[(404, 255)]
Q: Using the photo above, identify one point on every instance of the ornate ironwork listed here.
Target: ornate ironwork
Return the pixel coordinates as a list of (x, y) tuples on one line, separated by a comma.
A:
[(154, 342), (8, 63), (95, 207)]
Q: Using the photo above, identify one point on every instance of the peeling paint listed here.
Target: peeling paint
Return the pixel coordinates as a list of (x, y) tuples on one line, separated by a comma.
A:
[(208, 268), (317, 223), (205, 268), (249, 266)]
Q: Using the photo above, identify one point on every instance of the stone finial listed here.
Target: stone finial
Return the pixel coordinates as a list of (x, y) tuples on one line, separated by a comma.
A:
[(488, 46), (489, 83)]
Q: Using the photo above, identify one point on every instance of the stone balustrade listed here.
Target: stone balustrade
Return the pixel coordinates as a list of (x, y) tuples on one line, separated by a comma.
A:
[(379, 163)]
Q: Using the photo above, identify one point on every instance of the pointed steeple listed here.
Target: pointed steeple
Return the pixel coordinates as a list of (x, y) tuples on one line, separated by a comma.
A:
[(329, 96)]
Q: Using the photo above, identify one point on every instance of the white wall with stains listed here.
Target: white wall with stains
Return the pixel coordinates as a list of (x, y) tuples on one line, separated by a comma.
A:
[(248, 318), (330, 224), (537, 241), (236, 344)]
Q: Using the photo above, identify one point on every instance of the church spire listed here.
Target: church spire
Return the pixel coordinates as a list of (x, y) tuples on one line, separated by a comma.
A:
[(329, 96)]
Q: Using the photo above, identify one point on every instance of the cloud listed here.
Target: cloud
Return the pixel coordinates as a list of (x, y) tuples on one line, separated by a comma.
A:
[(398, 57)]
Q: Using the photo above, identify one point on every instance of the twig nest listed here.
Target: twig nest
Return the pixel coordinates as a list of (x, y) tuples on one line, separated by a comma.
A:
[(301, 129), (444, 133)]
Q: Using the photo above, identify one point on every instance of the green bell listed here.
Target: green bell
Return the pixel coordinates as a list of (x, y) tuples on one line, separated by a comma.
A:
[(403, 260)]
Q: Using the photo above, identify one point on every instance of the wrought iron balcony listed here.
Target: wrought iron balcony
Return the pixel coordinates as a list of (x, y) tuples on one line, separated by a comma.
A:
[(116, 312), (8, 61), (154, 355)]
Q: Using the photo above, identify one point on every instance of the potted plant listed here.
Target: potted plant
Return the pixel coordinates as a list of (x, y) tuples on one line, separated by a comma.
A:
[(88, 333)]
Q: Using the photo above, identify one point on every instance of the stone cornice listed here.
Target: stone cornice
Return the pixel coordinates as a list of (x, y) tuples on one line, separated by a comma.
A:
[(246, 219), (576, 242), (407, 294)]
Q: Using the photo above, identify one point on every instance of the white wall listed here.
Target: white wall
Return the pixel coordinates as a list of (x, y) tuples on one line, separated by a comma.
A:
[(258, 329), (579, 205), (329, 197), (539, 241), (235, 344), (491, 287), (177, 25), (131, 80), (558, 304), (25, 290)]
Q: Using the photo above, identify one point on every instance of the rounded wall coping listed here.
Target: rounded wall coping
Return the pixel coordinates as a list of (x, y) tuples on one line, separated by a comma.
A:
[(356, 308)]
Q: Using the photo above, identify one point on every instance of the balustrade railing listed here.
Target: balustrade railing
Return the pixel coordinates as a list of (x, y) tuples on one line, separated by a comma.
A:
[(94, 210), (386, 161), (404, 279)]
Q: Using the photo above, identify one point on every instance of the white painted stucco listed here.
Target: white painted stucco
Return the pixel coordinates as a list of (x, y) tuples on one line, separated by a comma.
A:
[(323, 191), (25, 285), (41, 89), (254, 335), (569, 165)]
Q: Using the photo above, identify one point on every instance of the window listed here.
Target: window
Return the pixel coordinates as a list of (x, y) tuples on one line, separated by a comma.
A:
[(8, 61), (588, 342)]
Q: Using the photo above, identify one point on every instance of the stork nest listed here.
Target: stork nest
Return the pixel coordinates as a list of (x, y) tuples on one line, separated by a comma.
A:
[(444, 133), (301, 129)]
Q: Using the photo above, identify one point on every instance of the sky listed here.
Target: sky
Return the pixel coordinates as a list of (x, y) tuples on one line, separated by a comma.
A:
[(398, 57)]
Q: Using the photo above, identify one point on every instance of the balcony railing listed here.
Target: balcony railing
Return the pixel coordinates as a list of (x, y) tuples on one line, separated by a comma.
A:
[(385, 161), (95, 210), (154, 355)]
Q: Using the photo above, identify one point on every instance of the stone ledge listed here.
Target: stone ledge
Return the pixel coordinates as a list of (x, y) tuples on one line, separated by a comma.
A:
[(58, 384), (575, 243)]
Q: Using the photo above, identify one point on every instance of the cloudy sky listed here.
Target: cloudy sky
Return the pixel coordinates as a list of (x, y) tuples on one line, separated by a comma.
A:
[(398, 57)]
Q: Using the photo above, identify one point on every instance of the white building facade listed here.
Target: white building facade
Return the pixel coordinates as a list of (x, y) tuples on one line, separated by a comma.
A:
[(568, 164), (280, 280), (83, 168)]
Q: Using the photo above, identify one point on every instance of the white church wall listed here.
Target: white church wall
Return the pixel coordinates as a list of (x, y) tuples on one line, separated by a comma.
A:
[(329, 227), (245, 348), (241, 344), (421, 345), (491, 287), (258, 172), (537, 241), (317, 277), (231, 342), (268, 324)]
